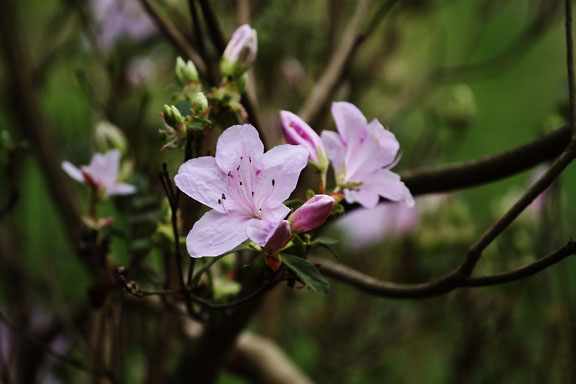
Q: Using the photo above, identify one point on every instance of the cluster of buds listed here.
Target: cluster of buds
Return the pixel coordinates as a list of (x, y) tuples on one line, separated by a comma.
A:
[(191, 109)]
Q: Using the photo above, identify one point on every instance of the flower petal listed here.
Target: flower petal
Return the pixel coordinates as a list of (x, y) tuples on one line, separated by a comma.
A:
[(216, 233), (202, 180), (104, 168), (388, 143), (236, 142), (259, 231), (282, 167), (73, 171), (349, 119), (380, 183), (335, 148), (121, 189)]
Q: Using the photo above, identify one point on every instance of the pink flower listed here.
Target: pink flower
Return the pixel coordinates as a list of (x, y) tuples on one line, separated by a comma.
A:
[(240, 53), (296, 131), (312, 213), (362, 154), (102, 173), (245, 188), (364, 227), (117, 20)]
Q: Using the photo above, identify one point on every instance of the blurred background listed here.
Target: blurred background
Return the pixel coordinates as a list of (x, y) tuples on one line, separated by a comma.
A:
[(454, 80)]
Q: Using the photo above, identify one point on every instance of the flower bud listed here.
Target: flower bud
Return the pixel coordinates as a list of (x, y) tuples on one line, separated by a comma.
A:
[(200, 102), (186, 72), (279, 237), (172, 115), (296, 131), (240, 53), (108, 136), (311, 214)]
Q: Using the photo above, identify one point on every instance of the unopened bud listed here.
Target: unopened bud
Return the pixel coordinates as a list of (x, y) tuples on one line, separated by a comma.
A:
[(311, 214), (240, 53), (279, 237), (297, 132), (186, 72), (172, 115), (200, 102), (108, 136)]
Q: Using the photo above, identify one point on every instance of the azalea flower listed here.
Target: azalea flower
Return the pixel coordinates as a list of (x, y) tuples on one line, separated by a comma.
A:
[(117, 20), (102, 173), (362, 154), (312, 213), (245, 188)]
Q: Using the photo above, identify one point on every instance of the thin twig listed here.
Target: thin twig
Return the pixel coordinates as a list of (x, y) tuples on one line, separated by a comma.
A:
[(174, 36), (353, 38), (448, 283), (137, 292), (216, 34)]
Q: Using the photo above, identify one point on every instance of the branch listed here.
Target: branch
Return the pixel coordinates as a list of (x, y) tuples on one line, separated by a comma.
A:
[(448, 283), (28, 115), (487, 169), (262, 361), (353, 38), (174, 36)]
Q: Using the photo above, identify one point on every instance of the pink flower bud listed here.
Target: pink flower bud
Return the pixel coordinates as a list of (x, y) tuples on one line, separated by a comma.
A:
[(240, 53), (279, 238), (296, 131), (311, 214)]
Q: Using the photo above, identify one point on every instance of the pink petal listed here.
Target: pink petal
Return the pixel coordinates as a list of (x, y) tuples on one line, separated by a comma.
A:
[(349, 119), (388, 142), (104, 168), (216, 233), (380, 183), (335, 148), (202, 180), (260, 231), (73, 171), (121, 189), (282, 167), (236, 142)]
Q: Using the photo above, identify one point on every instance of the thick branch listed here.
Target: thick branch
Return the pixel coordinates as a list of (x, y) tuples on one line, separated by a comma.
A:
[(449, 283), (488, 169)]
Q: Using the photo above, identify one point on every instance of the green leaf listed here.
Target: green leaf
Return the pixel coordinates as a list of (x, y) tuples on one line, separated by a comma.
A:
[(306, 272), (213, 260), (325, 241)]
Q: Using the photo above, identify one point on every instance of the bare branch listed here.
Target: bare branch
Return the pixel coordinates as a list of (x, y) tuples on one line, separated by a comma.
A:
[(448, 283), (173, 34), (353, 38)]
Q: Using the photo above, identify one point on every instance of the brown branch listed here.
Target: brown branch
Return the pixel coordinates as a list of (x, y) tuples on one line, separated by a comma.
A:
[(353, 38), (28, 115), (487, 169), (174, 36), (448, 283)]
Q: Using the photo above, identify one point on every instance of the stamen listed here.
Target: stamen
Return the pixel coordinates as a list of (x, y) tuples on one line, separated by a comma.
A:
[(273, 182)]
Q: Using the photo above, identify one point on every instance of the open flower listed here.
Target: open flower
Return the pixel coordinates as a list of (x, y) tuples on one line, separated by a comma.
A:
[(102, 173), (245, 188), (296, 131), (362, 154)]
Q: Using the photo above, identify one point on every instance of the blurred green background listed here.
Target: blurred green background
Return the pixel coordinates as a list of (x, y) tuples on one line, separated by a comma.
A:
[(406, 75)]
